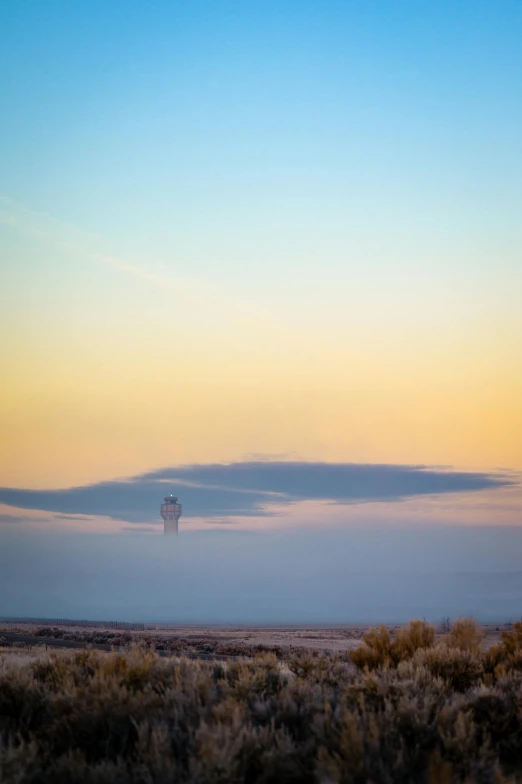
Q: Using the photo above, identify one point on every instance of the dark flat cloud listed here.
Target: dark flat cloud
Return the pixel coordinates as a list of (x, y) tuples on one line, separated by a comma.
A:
[(342, 482), (249, 488), (7, 519)]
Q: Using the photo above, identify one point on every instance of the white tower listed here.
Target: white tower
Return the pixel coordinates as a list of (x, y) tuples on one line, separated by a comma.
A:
[(171, 512)]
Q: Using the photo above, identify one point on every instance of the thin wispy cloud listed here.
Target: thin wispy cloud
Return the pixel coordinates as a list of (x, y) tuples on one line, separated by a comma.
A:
[(66, 236)]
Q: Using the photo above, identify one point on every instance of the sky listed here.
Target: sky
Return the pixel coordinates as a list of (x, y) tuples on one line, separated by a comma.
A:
[(260, 254), (259, 228)]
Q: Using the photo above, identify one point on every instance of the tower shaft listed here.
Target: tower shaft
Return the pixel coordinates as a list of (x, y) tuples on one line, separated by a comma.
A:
[(170, 512)]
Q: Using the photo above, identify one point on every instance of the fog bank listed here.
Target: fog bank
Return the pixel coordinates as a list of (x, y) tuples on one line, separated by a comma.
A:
[(249, 577)]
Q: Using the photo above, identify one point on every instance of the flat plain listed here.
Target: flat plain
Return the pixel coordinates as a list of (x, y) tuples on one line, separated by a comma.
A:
[(221, 639)]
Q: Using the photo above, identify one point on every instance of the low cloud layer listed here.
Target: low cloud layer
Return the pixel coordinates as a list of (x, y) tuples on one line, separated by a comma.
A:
[(308, 576), (249, 489)]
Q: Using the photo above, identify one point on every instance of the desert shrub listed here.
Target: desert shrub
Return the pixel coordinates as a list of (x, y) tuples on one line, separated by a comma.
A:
[(460, 669), (379, 650), (424, 713), (507, 655), (173, 644), (411, 638), (466, 635), (376, 650), (512, 641), (48, 631), (52, 671)]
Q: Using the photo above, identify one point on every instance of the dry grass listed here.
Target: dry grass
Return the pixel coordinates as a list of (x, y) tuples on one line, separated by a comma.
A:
[(408, 709)]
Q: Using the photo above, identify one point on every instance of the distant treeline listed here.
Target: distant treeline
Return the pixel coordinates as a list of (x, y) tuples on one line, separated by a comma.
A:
[(69, 622)]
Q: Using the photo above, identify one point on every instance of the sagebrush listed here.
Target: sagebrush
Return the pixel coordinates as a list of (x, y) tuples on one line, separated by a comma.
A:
[(412, 708)]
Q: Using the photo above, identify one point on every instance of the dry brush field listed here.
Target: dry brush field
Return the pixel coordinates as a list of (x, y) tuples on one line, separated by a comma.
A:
[(408, 707)]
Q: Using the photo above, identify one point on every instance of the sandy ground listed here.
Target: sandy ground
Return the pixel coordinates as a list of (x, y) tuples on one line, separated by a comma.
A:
[(321, 638)]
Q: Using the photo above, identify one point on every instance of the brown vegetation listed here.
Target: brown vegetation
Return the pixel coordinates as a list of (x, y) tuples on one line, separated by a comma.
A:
[(379, 649), (414, 709), (191, 639), (177, 645)]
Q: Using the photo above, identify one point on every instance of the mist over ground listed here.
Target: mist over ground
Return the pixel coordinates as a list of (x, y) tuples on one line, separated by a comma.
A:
[(329, 576)]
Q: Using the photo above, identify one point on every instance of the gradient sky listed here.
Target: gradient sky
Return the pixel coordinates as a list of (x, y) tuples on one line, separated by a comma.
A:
[(259, 228)]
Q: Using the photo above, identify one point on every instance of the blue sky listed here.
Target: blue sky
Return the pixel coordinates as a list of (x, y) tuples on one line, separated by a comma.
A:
[(273, 128), (279, 227)]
